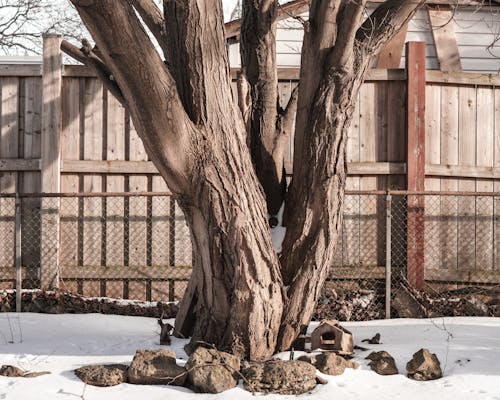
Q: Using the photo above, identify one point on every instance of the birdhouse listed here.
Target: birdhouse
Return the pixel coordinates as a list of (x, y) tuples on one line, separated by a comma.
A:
[(329, 335)]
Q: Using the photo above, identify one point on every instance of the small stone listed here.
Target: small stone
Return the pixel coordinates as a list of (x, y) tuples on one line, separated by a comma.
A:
[(424, 366), (102, 375), (278, 376), (382, 363), (374, 340), (156, 367), (212, 371), (320, 380), (333, 364)]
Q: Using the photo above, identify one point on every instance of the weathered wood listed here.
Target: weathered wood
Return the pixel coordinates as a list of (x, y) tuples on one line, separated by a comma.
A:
[(70, 149), (466, 156), (109, 166), (461, 78), (160, 221), (449, 155), (18, 70), (51, 155), (485, 146), (415, 65), (138, 210), (31, 180), (390, 56), (20, 164), (443, 31), (368, 151), (496, 186), (463, 171), (115, 206), (433, 222)]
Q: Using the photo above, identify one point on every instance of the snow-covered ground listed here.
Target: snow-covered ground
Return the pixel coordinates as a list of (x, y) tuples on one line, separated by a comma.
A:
[(469, 350)]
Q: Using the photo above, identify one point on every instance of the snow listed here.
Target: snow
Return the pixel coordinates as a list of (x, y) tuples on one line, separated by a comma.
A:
[(278, 232), (469, 350)]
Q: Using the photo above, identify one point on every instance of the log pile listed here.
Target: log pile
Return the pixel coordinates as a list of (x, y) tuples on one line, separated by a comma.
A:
[(59, 302)]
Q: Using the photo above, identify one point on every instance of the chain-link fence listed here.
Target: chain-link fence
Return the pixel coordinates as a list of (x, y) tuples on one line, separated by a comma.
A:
[(398, 254)]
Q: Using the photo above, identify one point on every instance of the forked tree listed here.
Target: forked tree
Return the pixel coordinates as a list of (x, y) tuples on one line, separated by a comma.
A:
[(223, 158)]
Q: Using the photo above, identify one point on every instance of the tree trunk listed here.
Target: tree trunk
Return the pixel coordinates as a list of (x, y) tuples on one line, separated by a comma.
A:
[(192, 130)]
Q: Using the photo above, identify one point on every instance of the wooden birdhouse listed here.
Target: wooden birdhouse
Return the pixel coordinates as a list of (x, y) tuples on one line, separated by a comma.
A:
[(329, 335)]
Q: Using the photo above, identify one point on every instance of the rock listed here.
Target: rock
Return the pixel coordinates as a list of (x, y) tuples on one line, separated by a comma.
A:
[(424, 366), (212, 371), (11, 371), (278, 376), (406, 305), (102, 375), (373, 340), (382, 363), (475, 307), (156, 367), (333, 364), (321, 381), (15, 372)]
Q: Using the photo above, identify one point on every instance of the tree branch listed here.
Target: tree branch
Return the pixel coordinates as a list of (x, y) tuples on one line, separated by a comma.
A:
[(148, 89), (87, 56), (153, 18), (384, 23)]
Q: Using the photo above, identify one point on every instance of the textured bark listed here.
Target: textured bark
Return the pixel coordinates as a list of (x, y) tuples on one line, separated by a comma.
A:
[(269, 125), (335, 58), (198, 138)]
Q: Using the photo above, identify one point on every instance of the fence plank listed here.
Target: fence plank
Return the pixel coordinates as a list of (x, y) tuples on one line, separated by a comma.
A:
[(115, 206), (31, 182), (51, 156), (368, 152), (92, 150), (433, 224), (496, 187), (8, 180), (138, 230), (160, 224), (449, 154), (466, 156), (350, 231), (485, 125), (70, 150)]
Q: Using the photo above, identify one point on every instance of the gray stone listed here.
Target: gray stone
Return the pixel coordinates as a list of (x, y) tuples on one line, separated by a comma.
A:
[(407, 306), (212, 371), (156, 367), (102, 375), (382, 363), (277, 376), (424, 366)]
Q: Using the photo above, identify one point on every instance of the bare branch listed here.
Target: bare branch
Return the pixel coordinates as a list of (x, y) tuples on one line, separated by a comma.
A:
[(153, 18), (384, 23)]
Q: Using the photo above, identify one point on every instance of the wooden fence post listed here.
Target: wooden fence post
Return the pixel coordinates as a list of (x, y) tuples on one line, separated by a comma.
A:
[(51, 159), (415, 67)]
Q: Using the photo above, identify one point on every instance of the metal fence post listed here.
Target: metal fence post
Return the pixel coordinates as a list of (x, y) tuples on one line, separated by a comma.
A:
[(19, 277), (388, 259)]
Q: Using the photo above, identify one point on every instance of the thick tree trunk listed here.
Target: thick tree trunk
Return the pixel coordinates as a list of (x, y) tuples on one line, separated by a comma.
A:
[(193, 131)]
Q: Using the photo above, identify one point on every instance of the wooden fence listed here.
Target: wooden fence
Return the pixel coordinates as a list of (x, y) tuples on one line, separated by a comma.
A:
[(62, 132)]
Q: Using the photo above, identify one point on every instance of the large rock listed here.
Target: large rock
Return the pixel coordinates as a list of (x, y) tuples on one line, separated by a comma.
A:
[(382, 363), (277, 376), (330, 363), (424, 366), (212, 371), (103, 375), (156, 367)]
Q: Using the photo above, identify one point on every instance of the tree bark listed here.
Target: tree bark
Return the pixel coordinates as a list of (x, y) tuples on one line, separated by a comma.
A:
[(195, 134)]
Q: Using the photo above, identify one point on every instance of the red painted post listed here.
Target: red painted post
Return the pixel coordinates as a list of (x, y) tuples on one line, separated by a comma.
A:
[(415, 67)]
